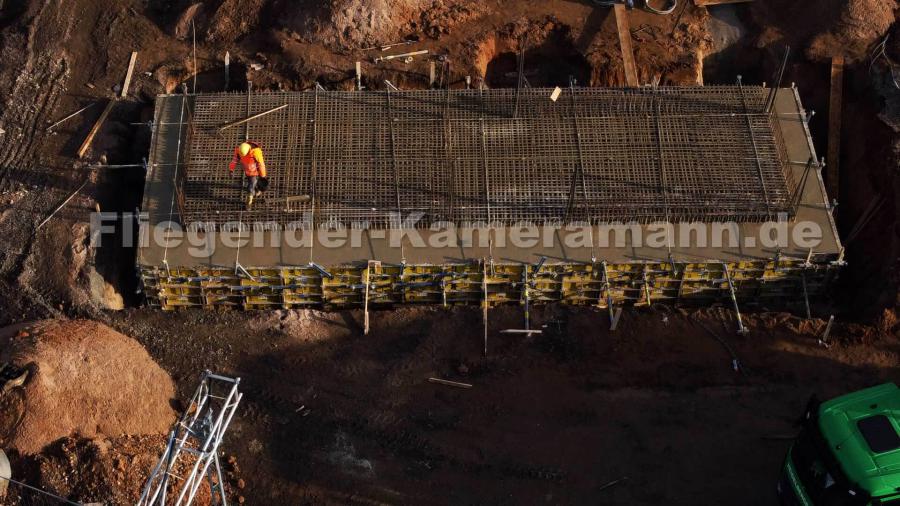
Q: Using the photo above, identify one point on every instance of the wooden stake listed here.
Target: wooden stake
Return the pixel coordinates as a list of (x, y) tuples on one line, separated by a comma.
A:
[(128, 74), (431, 74), (366, 301), (834, 126), (631, 75), (96, 128)]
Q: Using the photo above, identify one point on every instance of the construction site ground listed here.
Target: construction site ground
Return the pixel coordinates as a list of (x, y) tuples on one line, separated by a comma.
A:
[(335, 417), (332, 416)]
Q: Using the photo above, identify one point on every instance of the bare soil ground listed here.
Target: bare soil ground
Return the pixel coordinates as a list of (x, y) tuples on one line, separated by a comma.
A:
[(83, 378), (335, 417)]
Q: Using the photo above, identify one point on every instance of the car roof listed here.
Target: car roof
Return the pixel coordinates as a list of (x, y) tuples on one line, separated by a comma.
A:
[(863, 431)]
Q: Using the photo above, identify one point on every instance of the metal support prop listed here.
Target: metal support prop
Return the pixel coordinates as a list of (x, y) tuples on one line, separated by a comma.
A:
[(805, 295), (484, 316), (614, 313), (823, 341), (368, 283), (646, 283), (737, 310), (525, 296), (801, 186)]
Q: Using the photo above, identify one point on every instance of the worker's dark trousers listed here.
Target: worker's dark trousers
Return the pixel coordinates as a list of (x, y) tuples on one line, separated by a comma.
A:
[(251, 184)]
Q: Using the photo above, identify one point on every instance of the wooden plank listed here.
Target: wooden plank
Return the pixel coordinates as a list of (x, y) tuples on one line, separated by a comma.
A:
[(96, 128), (704, 3), (128, 74), (622, 25), (835, 104), (251, 118)]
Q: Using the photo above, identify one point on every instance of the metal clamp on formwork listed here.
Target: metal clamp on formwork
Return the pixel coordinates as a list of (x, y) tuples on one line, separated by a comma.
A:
[(198, 434), (321, 270), (239, 269)]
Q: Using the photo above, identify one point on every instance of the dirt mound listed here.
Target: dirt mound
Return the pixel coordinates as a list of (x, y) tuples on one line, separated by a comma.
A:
[(828, 28), (111, 471), (233, 19), (860, 23), (362, 23), (84, 378)]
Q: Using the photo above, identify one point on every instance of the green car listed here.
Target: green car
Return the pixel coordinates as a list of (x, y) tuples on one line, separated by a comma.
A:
[(848, 452)]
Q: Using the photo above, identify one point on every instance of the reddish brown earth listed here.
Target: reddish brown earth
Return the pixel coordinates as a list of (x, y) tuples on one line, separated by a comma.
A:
[(331, 416), (83, 378)]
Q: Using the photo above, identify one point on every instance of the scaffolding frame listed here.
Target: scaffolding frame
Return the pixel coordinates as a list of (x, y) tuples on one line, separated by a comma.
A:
[(199, 433)]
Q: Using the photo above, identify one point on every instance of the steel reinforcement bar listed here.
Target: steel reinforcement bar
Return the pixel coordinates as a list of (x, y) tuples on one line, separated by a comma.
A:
[(685, 154)]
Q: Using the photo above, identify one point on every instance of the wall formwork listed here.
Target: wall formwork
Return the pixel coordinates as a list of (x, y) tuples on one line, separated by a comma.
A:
[(712, 154)]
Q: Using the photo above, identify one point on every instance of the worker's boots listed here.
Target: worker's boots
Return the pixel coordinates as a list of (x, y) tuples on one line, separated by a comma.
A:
[(250, 201)]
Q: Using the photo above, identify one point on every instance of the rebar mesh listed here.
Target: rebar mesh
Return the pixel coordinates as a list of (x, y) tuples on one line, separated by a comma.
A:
[(598, 155)]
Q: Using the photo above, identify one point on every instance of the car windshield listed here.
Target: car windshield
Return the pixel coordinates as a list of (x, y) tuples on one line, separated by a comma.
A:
[(820, 473)]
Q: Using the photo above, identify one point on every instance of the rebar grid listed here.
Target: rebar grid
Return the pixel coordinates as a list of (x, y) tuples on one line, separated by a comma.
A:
[(682, 154)]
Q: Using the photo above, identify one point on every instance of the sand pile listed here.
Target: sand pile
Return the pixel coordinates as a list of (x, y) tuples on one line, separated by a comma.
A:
[(84, 378)]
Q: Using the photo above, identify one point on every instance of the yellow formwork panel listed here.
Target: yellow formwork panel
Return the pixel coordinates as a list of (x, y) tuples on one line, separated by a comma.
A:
[(635, 283), (302, 287), (264, 290), (422, 284)]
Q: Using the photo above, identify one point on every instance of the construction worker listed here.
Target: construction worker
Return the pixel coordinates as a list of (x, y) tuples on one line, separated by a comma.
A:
[(251, 157)]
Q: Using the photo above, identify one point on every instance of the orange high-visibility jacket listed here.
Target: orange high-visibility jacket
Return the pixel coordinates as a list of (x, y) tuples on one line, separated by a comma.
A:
[(253, 163)]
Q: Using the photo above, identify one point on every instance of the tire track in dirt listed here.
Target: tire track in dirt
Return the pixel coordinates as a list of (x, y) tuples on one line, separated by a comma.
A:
[(40, 83), (36, 85)]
